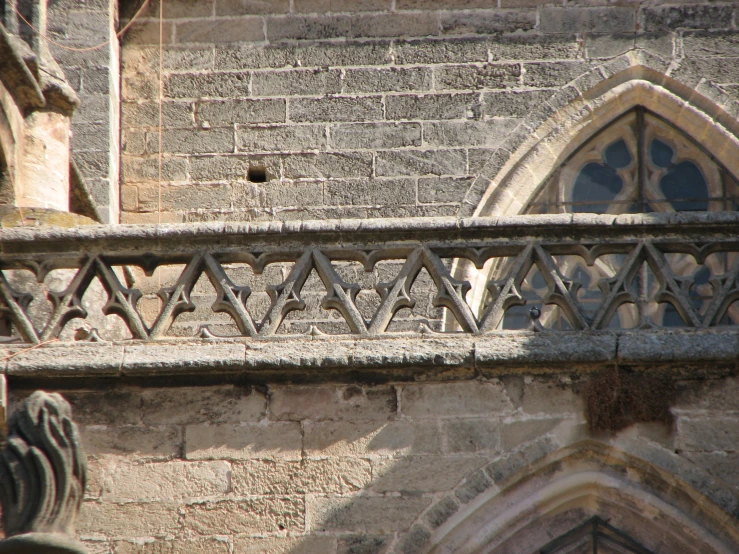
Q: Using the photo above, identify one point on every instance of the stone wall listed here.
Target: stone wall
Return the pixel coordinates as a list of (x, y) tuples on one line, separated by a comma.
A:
[(76, 26), (367, 109), (359, 468)]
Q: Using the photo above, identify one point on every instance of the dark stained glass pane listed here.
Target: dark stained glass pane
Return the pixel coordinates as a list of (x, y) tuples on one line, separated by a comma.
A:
[(595, 187), (617, 155), (685, 187), (661, 153)]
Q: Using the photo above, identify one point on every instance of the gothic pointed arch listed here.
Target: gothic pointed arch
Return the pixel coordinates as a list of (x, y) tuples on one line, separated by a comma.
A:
[(587, 490), (654, 144), (516, 172)]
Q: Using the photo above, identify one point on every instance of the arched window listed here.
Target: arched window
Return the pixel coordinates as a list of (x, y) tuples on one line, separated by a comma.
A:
[(639, 163)]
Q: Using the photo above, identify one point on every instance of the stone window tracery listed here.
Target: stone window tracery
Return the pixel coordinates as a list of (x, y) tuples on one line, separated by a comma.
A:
[(638, 164)]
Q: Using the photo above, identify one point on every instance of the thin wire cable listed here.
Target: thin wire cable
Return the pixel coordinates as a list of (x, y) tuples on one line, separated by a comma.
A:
[(119, 34), (161, 96)]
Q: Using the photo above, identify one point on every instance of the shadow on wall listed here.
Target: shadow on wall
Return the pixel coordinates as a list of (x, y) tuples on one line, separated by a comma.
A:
[(470, 466)]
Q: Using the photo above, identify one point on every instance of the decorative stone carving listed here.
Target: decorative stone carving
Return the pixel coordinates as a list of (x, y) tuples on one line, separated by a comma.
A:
[(630, 272), (42, 478)]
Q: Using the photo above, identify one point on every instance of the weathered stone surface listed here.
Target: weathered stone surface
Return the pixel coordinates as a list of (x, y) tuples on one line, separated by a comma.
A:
[(243, 442), (387, 79), (137, 442), (454, 399), (281, 138), (470, 77), (332, 476), (421, 162), (471, 435), (192, 357), (216, 85), (375, 135), (328, 165), (595, 20), (147, 519), (198, 546), (165, 481), (441, 512), (474, 485), (250, 516), (514, 433), (336, 108), (103, 360), (716, 395), (421, 473), (371, 439), (431, 106), (670, 347), (242, 110), (346, 403), (296, 82), (278, 545), (708, 433), (364, 514), (190, 405), (543, 349)]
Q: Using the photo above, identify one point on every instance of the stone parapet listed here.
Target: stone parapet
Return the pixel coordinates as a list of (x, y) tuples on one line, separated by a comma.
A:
[(371, 299)]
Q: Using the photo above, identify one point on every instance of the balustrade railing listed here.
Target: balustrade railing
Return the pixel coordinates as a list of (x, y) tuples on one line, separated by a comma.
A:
[(371, 278)]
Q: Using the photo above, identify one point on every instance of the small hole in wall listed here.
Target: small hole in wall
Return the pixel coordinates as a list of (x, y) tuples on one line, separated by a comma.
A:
[(257, 174)]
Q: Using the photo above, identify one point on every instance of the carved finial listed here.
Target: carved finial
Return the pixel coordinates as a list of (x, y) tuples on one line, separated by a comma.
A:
[(42, 469)]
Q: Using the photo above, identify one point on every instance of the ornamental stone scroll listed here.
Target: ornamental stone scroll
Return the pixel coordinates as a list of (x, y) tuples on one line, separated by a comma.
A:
[(42, 478)]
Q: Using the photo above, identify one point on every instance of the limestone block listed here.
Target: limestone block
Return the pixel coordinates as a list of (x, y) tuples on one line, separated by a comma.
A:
[(441, 512), (243, 110), (421, 473), (176, 546), (243, 442), (431, 106), (259, 515), (316, 403), (427, 51), (375, 135), (421, 162), (473, 486), (296, 82), (471, 435), (715, 395), (371, 439), (454, 399), (192, 405), (136, 442), (336, 108), (514, 433), (208, 85), (231, 29), (387, 80), (486, 22), (165, 481), (595, 20), (708, 433), (328, 165), (364, 514), (327, 476), (279, 545), (149, 519), (281, 138)]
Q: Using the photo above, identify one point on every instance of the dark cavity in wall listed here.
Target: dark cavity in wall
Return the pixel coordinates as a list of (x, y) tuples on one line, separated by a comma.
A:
[(616, 399), (257, 174)]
